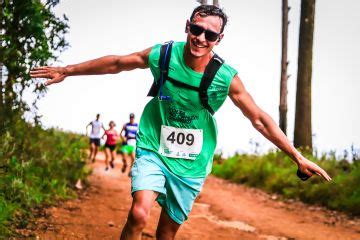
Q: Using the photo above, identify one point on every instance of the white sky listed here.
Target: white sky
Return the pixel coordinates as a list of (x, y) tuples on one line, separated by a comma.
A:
[(252, 45)]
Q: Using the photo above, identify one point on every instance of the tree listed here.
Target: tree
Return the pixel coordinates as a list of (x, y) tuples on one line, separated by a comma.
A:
[(202, 2), (303, 131), (30, 35), (284, 63)]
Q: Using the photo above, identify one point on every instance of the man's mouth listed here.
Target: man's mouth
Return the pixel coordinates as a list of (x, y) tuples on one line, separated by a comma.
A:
[(198, 45)]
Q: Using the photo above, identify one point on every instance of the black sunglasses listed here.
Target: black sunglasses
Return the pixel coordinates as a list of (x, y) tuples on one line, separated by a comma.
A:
[(209, 35)]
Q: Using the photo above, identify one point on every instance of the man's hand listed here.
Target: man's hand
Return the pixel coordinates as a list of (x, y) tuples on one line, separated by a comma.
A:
[(310, 168), (53, 74)]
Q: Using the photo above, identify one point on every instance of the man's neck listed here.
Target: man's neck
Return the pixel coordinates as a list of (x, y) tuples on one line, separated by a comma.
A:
[(198, 64)]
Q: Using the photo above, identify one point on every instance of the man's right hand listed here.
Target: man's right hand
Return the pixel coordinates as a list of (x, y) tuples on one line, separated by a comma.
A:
[(53, 74)]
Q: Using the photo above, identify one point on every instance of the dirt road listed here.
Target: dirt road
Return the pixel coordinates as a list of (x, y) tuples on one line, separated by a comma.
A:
[(223, 211)]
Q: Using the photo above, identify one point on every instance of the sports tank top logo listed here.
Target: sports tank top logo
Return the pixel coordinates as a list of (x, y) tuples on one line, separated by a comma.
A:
[(181, 116)]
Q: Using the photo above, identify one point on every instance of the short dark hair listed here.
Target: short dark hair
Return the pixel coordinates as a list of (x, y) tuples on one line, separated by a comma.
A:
[(210, 10)]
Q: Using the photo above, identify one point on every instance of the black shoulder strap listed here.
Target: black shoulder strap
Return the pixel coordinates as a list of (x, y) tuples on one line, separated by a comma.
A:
[(208, 76), (164, 62)]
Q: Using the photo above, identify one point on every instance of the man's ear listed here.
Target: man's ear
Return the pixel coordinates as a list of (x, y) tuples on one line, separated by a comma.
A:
[(187, 25), (219, 39)]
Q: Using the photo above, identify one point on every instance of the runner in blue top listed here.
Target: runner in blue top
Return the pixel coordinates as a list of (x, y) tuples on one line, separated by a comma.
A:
[(129, 142)]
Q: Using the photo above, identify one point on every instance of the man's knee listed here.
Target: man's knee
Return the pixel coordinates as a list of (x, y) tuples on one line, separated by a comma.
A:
[(138, 216)]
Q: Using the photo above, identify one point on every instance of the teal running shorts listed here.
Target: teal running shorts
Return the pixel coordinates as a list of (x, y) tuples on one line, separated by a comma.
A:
[(176, 194)]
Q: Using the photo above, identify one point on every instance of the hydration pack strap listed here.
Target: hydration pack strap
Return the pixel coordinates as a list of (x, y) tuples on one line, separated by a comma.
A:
[(164, 62), (208, 76)]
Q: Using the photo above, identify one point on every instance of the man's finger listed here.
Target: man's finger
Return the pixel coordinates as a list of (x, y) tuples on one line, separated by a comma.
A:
[(40, 75), (47, 83), (321, 172), (51, 81), (39, 71), (40, 68)]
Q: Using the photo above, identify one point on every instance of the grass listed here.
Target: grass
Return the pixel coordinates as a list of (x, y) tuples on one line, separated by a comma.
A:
[(274, 172), (38, 168)]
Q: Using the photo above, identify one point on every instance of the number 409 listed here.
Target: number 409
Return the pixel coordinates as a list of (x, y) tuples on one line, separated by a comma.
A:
[(180, 138)]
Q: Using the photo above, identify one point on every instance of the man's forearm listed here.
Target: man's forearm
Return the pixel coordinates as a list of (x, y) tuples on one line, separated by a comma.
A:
[(268, 128), (103, 65)]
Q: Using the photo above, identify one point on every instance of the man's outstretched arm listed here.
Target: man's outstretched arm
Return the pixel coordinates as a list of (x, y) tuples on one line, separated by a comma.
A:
[(267, 127), (104, 65)]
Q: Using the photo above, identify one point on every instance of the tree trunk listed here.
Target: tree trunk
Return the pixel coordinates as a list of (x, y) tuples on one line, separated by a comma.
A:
[(203, 2), (284, 64), (303, 132), (216, 3)]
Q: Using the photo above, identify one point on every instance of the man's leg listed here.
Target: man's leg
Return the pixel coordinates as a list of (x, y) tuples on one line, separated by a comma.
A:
[(113, 157), (166, 228), (132, 158), (107, 156), (96, 149), (124, 158), (139, 213), (92, 148)]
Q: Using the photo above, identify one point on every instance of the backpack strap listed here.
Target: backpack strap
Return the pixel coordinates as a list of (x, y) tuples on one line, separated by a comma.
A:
[(208, 76), (164, 62)]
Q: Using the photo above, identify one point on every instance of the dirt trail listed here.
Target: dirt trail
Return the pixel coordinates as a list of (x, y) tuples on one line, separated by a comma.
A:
[(223, 211)]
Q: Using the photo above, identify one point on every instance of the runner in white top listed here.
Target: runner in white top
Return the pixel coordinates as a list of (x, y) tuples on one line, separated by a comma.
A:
[(95, 136)]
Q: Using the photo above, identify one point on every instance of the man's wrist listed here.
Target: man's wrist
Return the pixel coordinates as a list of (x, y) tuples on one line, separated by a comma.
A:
[(67, 71), (297, 157)]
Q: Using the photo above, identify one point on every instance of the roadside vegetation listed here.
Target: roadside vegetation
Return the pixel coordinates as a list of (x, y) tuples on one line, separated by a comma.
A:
[(274, 172), (37, 168)]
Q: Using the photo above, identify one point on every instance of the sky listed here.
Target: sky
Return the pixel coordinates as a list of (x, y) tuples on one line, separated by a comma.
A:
[(252, 45)]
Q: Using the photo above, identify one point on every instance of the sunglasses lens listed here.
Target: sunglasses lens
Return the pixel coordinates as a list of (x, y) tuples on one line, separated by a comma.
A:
[(211, 36), (196, 30)]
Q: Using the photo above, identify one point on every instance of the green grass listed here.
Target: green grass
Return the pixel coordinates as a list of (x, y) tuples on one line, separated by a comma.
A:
[(274, 172), (38, 167)]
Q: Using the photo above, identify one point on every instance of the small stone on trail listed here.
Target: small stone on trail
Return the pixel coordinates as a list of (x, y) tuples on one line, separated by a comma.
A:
[(78, 185), (111, 224)]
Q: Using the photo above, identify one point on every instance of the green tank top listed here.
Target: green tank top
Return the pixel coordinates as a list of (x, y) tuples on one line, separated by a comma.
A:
[(181, 131)]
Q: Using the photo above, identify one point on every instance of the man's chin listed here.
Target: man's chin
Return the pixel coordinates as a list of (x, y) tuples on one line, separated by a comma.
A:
[(197, 53)]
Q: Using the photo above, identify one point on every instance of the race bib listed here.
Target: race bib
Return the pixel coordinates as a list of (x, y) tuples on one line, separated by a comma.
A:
[(180, 142)]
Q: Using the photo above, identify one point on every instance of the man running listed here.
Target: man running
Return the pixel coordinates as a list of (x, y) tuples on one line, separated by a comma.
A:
[(95, 135), (130, 130), (177, 132)]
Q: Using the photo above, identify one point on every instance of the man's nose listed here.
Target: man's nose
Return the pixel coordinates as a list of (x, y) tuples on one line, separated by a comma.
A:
[(201, 37)]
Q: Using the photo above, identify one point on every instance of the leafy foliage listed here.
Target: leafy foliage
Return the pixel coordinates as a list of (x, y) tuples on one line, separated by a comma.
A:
[(37, 171), (275, 173), (30, 35)]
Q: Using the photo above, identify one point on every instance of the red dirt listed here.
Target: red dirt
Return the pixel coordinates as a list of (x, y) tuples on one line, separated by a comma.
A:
[(223, 210)]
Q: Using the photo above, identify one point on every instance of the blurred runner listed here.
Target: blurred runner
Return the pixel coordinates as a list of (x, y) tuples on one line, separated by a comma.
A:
[(129, 144), (95, 134), (110, 144)]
